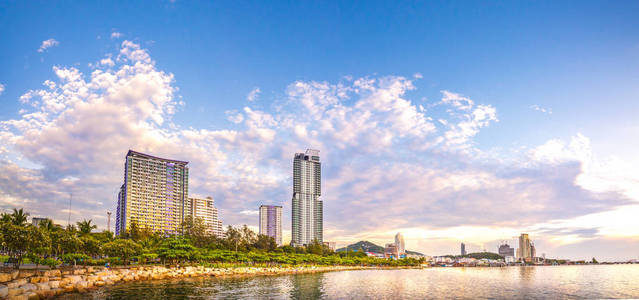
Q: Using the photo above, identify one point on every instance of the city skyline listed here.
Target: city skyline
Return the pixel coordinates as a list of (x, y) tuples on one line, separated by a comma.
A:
[(509, 118)]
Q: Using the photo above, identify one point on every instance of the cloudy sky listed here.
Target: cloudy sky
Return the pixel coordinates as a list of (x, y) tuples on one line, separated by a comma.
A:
[(448, 122)]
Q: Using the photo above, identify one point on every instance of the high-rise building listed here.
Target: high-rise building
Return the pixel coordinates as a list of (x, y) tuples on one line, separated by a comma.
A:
[(271, 222), (524, 252), (205, 209), (399, 242), (307, 225), (390, 251), (505, 250), (463, 249), (153, 195)]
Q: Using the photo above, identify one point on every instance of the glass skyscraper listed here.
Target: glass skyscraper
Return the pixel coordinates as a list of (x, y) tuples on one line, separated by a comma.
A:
[(307, 205), (153, 195)]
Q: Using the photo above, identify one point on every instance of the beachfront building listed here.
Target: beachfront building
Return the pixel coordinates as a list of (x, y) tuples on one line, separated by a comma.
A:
[(505, 250), (205, 210), (401, 245), (525, 250), (307, 208), (153, 194), (271, 222)]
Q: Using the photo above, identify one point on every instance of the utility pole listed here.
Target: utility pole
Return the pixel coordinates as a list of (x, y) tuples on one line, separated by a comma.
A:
[(69, 219), (109, 221)]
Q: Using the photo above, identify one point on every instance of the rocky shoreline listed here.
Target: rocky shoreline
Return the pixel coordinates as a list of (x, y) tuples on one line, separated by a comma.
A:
[(29, 284)]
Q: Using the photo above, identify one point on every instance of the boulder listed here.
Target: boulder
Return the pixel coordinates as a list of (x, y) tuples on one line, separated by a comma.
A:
[(14, 274), (33, 296), (14, 291), (43, 286), (4, 277), (53, 273), (54, 284), (37, 279), (29, 287), (99, 283), (19, 297), (4, 291), (26, 273)]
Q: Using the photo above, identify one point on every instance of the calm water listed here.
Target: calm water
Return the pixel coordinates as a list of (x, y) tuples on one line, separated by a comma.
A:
[(561, 282)]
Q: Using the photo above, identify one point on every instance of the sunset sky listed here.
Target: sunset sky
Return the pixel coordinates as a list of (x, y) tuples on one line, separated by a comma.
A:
[(453, 121)]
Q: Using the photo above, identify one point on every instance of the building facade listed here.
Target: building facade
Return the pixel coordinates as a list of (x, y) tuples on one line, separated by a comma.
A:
[(399, 242), (524, 252), (35, 221), (463, 249), (390, 251), (307, 207), (205, 210), (153, 195), (271, 222), (505, 250)]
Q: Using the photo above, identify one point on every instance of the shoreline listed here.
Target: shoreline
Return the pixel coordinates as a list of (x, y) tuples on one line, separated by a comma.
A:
[(32, 284)]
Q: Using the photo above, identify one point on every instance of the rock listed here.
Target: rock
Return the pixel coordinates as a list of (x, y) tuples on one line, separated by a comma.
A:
[(19, 297), (99, 283), (54, 284), (29, 287), (53, 273), (4, 291), (78, 272), (26, 273), (90, 270), (33, 296), (15, 291), (4, 277), (14, 274), (43, 286), (37, 279)]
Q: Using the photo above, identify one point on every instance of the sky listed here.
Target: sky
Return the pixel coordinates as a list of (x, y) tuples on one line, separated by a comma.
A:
[(452, 121)]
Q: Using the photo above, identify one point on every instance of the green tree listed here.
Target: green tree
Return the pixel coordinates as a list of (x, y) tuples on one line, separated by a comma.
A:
[(176, 249), (265, 243), (124, 249), (86, 227), (19, 217), (195, 230), (233, 238)]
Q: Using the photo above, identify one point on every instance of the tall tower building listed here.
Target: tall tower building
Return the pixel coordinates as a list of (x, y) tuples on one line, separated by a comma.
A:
[(271, 222), (525, 248), (307, 206), (399, 242), (153, 195), (204, 209), (463, 249)]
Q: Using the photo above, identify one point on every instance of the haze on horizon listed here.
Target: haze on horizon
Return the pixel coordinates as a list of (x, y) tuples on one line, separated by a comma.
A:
[(447, 121)]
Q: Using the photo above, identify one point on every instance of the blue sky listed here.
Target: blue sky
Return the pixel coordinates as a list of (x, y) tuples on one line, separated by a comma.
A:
[(555, 84)]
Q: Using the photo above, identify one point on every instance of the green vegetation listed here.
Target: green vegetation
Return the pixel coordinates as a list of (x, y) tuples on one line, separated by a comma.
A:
[(479, 255), (367, 246), (51, 245)]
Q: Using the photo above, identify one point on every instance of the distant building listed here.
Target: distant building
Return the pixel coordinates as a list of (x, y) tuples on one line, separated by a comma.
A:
[(505, 250), (525, 251), (204, 209), (533, 251), (35, 221), (153, 194), (399, 242), (307, 208), (271, 222), (509, 259), (390, 251), (463, 249), (330, 245)]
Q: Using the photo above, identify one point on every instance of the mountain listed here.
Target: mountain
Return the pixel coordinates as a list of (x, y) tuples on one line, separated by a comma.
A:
[(369, 247), (364, 245)]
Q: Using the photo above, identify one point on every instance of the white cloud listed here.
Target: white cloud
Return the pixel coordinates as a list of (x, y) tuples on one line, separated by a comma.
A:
[(380, 150), (252, 96), (116, 35), (541, 109), (2, 88), (48, 44)]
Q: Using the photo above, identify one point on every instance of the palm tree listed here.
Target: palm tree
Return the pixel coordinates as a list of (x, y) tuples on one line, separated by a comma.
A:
[(47, 225), (19, 217), (86, 227)]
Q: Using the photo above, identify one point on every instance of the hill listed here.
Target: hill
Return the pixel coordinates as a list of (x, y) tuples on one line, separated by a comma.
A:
[(369, 247)]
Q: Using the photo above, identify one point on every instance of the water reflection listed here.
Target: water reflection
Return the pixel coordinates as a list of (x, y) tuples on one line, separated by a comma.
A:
[(616, 281), (307, 286)]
